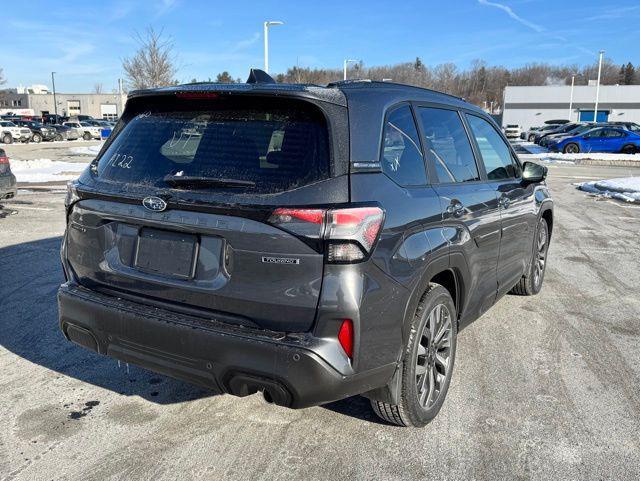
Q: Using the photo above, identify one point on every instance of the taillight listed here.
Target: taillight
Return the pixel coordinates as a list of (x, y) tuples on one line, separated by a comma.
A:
[(350, 233), (345, 337), (4, 160), (306, 222)]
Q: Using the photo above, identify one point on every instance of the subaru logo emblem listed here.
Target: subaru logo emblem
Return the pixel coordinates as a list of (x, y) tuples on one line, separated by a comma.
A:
[(155, 204)]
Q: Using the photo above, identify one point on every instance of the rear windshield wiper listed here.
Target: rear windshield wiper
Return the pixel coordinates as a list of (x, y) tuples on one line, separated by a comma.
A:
[(204, 182)]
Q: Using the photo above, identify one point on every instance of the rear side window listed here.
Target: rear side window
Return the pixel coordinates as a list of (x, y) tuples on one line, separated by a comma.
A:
[(613, 133), (447, 145), (402, 157), (495, 153), (276, 144)]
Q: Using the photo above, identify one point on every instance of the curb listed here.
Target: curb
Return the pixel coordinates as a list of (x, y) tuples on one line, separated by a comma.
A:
[(609, 162)]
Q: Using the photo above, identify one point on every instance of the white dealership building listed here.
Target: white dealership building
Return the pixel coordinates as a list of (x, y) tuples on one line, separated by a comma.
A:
[(40, 101), (532, 106)]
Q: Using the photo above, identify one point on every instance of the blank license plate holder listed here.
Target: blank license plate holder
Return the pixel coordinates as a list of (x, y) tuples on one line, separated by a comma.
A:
[(166, 253)]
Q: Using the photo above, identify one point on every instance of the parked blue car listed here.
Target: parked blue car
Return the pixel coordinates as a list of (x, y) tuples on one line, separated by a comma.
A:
[(603, 139)]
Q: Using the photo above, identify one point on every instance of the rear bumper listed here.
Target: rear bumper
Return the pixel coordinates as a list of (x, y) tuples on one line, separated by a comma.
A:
[(231, 359)]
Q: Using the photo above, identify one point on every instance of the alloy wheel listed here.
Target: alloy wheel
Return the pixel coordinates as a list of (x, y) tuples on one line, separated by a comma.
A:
[(540, 255), (434, 356), (572, 149)]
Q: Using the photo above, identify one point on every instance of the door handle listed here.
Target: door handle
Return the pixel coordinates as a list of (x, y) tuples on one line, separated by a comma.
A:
[(504, 202), (455, 209)]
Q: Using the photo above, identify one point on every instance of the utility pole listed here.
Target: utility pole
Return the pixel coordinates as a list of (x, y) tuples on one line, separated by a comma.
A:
[(266, 41), (595, 110), (344, 67), (55, 104), (121, 106), (573, 79)]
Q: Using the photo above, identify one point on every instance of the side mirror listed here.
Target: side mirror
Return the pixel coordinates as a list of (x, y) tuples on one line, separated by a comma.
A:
[(533, 173)]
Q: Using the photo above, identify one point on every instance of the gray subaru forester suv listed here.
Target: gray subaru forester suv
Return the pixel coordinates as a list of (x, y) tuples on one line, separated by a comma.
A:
[(311, 243)]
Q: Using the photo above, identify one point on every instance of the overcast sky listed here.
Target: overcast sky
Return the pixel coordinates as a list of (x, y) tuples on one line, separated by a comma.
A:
[(85, 41)]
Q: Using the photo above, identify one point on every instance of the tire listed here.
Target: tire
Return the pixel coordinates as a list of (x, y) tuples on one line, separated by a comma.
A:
[(7, 139), (58, 137), (571, 148), (531, 283), (37, 138), (86, 136), (419, 403), (532, 137), (629, 149)]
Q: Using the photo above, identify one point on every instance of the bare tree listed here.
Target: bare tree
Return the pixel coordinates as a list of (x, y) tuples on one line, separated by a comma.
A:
[(97, 88), (3, 81), (154, 64)]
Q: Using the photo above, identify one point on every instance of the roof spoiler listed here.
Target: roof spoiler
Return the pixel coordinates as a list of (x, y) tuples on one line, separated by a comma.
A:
[(257, 76)]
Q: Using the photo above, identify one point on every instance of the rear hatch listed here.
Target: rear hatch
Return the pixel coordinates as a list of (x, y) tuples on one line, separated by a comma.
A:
[(177, 210)]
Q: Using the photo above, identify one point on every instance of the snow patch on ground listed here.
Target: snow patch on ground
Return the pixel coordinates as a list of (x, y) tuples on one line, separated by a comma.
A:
[(90, 150), (46, 170), (57, 142), (623, 188), (550, 159)]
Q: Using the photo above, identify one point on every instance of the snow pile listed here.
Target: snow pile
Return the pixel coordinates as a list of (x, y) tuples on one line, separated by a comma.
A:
[(46, 170), (91, 150), (623, 188), (587, 156), (548, 157)]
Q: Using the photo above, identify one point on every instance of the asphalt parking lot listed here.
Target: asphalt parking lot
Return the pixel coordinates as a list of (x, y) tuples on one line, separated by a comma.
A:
[(546, 387)]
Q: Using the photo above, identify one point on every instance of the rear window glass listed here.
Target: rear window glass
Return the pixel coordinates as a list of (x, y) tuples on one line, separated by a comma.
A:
[(278, 146)]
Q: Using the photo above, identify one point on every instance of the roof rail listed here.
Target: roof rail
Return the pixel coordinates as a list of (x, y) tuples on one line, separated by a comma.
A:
[(340, 83), (257, 76)]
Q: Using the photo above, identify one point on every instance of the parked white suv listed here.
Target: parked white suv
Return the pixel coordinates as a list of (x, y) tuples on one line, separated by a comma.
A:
[(85, 130), (10, 132), (511, 131)]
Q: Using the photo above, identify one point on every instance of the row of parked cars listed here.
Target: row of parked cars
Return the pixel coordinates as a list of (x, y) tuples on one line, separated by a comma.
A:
[(22, 129), (576, 137)]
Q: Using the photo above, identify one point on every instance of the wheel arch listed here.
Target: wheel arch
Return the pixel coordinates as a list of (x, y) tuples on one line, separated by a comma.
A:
[(546, 213), (629, 144), (439, 271)]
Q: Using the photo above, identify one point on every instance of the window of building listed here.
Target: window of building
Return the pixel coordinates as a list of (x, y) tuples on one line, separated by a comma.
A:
[(447, 145), (402, 157), (73, 107)]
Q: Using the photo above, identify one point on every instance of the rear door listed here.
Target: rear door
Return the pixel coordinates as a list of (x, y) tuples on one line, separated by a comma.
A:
[(469, 206), (515, 199), (613, 140), (178, 210)]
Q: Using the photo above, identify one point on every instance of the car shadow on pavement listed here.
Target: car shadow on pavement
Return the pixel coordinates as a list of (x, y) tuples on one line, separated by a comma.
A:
[(30, 274), (357, 407)]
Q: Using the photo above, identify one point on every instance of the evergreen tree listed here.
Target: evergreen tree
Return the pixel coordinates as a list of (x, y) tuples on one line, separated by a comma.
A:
[(224, 78), (629, 74)]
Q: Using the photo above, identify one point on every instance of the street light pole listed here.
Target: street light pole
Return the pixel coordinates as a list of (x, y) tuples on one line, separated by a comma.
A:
[(573, 78), (595, 110), (344, 67), (266, 42), (55, 104)]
